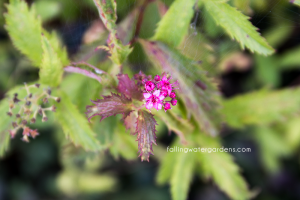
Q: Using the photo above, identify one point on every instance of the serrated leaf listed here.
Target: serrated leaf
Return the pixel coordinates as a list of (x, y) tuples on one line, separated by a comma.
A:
[(146, 134), (108, 12), (118, 52), (182, 175), (166, 166), (110, 105), (290, 59), (174, 25), (200, 94), (220, 166), (75, 125), (24, 29), (51, 67), (261, 107), (128, 87), (238, 27), (130, 122), (175, 123)]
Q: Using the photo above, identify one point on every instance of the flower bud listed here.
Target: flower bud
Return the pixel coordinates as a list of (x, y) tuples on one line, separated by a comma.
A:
[(48, 91), (172, 95), (57, 99), (24, 122), (158, 85), (164, 92), (45, 100), (157, 78), (33, 120), (174, 102), (30, 95), (28, 103), (37, 85), (9, 114), (149, 86), (14, 124), (167, 106), (44, 119), (18, 115), (25, 138)]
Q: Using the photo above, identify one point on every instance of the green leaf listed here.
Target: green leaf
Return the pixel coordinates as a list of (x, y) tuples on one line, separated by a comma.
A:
[(174, 25), (220, 166), (261, 107), (199, 93), (48, 9), (75, 125), (166, 167), (182, 175), (24, 29), (272, 147), (290, 59), (5, 124), (51, 67), (107, 11), (237, 26)]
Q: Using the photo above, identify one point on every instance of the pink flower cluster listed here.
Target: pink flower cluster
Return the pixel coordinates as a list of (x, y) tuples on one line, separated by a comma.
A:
[(157, 90)]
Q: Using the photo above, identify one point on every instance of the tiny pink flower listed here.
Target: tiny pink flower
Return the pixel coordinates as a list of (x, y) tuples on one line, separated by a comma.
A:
[(158, 85), (172, 95), (174, 102), (164, 93), (167, 106), (157, 78), (12, 133), (154, 100), (26, 131), (149, 86), (166, 85)]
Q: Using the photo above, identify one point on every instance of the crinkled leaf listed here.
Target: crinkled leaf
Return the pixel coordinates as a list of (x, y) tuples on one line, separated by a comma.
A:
[(237, 26), (128, 87), (220, 166), (24, 29), (199, 93), (108, 12), (146, 131), (51, 67), (74, 124), (182, 175), (110, 105), (261, 107), (83, 72), (175, 23)]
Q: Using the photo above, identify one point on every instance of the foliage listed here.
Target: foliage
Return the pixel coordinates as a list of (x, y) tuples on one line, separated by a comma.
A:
[(190, 81)]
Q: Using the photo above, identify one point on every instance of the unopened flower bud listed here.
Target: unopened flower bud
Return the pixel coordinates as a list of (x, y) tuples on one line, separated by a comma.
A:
[(18, 115), (164, 92), (167, 106), (24, 122), (174, 102), (40, 111), (16, 100), (45, 100), (157, 78), (16, 94), (48, 91), (37, 85), (32, 120), (53, 109), (144, 81), (28, 103), (172, 95), (57, 99), (9, 114), (11, 106), (30, 95), (14, 124), (158, 85), (44, 119), (27, 111)]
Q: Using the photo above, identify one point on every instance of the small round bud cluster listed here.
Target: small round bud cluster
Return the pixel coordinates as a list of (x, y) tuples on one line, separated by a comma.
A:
[(25, 110), (157, 90)]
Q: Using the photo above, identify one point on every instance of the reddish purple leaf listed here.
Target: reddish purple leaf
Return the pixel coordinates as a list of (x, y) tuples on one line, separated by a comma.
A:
[(110, 105), (83, 72), (129, 88), (146, 134), (130, 122)]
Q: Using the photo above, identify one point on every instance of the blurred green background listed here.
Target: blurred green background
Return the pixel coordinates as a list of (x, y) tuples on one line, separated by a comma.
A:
[(42, 170)]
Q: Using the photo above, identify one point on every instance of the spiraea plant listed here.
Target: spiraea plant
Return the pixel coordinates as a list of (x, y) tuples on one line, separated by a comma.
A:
[(106, 79)]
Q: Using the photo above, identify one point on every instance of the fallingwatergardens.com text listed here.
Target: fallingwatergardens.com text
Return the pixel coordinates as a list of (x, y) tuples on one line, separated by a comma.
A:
[(176, 149)]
